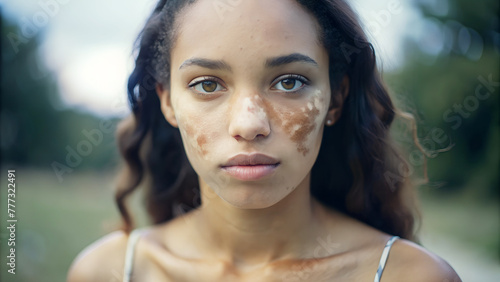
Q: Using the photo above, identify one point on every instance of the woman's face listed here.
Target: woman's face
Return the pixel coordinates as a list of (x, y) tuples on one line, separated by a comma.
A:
[(249, 78)]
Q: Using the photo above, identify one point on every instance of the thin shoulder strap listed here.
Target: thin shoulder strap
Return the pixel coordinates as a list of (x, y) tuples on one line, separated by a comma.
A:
[(129, 255), (383, 258)]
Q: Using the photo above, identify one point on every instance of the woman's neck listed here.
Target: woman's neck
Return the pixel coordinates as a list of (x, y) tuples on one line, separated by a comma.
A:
[(251, 237)]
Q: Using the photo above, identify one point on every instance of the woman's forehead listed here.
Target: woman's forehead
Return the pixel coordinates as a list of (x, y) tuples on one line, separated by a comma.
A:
[(254, 12), (255, 27)]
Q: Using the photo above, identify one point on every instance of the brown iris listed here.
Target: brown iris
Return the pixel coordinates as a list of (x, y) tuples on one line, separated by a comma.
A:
[(209, 86), (288, 84)]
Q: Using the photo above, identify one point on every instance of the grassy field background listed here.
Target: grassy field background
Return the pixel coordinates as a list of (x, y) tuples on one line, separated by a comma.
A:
[(57, 220)]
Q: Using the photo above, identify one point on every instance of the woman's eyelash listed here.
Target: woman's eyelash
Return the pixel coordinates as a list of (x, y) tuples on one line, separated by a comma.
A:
[(204, 79), (300, 78), (295, 83)]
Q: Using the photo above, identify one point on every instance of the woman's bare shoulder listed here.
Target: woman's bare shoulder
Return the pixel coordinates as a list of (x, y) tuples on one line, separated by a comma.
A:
[(103, 260), (407, 261), (411, 262)]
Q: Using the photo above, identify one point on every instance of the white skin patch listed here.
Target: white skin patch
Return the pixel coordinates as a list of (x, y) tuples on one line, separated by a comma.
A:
[(323, 108), (253, 108), (296, 127)]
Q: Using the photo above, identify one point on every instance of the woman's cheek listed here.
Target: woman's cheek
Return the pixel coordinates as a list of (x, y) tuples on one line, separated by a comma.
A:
[(301, 124), (321, 103), (193, 135)]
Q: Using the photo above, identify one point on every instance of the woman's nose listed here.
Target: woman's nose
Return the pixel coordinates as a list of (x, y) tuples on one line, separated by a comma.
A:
[(248, 118)]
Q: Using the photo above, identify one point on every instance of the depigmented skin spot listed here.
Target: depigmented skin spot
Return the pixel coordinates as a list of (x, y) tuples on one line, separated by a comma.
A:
[(297, 124), (307, 125)]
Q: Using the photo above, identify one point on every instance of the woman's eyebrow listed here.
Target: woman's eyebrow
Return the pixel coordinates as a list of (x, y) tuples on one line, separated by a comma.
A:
[(270, 63), (287, 59), (206, 63)]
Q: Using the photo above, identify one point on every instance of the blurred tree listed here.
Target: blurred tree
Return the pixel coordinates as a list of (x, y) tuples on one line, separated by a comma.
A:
[(450, 82), (33, 131), (26, 90)]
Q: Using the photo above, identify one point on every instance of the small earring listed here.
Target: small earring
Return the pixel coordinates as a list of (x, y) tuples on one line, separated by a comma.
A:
[(329, 122)]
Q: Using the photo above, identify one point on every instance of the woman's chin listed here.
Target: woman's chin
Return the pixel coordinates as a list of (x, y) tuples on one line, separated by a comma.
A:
[(249, 198)]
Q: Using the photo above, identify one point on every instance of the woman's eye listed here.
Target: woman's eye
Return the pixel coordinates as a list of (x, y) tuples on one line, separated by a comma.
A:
[(290, 84), (206, 86)]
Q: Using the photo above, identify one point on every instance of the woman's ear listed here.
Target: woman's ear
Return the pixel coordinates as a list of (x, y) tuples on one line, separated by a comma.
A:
[(337, 102), (166, 104)]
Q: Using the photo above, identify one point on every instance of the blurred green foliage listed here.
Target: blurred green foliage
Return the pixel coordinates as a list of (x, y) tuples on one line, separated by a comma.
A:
[(36, 129), (450, 82)]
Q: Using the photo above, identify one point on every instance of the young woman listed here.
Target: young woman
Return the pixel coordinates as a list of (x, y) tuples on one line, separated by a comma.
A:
[(261, 130)]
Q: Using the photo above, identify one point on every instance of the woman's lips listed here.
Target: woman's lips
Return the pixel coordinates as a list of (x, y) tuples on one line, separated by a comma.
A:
[(250, 167), (250, 172)]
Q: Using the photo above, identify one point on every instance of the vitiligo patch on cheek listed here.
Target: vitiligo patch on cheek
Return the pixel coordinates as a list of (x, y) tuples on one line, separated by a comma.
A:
[(196, 139), (298, 124)]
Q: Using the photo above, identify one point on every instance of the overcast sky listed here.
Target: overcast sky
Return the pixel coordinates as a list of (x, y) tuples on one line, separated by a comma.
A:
[(88, 44)]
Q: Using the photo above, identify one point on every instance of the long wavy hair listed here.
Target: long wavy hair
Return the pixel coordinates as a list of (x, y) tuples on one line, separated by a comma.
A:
[(358, 170)]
